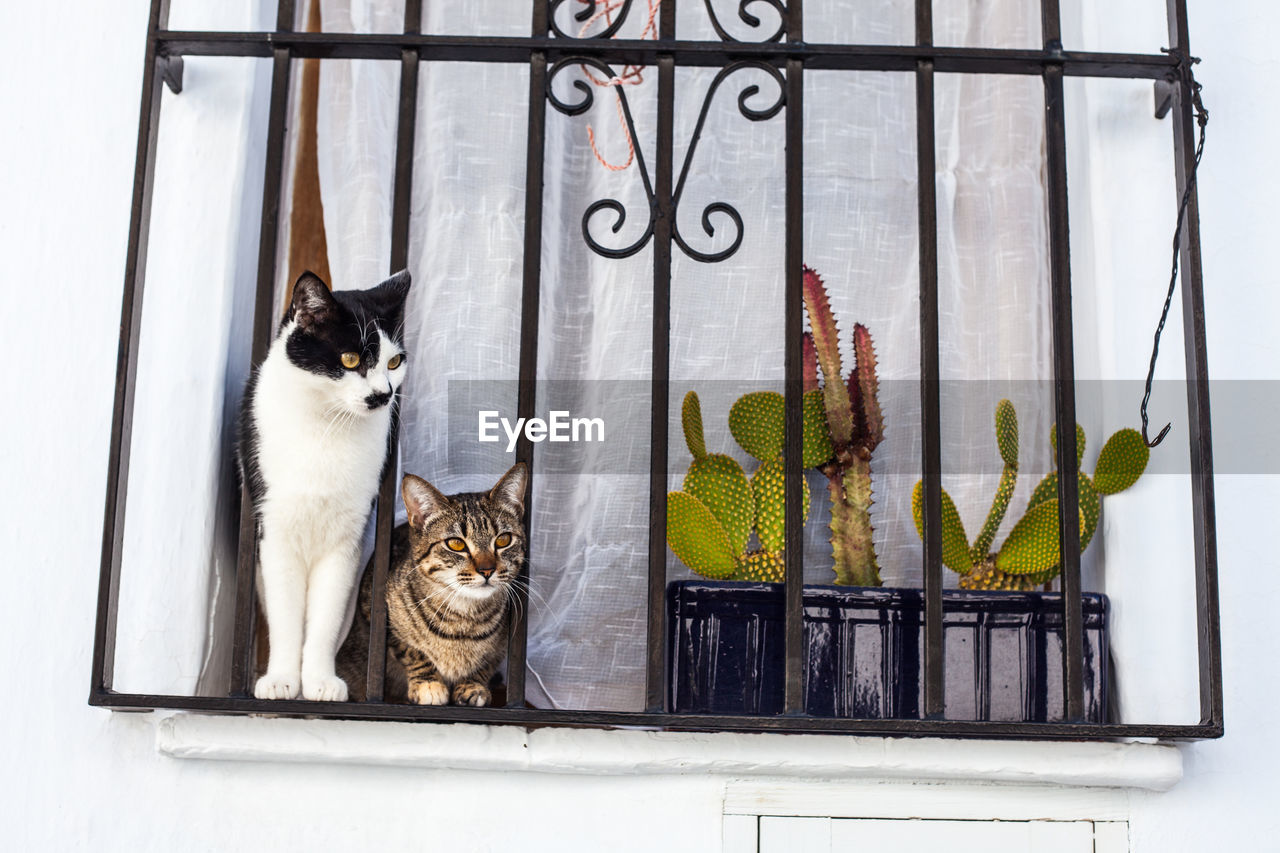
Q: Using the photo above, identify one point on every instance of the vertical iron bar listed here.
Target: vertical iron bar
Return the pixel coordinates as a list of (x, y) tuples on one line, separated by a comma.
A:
[(1204, 524), (243, 655), (375, 673), (655, 663), (412, 20), (135, 269), (285, 14), (793, 521), (526, 402), (655, 667), (1063, 364), (930, 405)]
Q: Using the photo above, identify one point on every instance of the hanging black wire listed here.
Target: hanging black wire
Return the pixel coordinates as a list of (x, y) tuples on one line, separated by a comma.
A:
[(1202, 119)]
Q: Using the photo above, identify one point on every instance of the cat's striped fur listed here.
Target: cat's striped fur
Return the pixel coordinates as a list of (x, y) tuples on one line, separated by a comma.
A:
[(452, 578)]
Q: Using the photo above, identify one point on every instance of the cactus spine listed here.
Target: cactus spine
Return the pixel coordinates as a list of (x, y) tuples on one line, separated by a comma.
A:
[(710, 522), (1030, 555)]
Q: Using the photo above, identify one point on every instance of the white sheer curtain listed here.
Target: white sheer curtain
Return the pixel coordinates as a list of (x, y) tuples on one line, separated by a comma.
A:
[(590, 524)]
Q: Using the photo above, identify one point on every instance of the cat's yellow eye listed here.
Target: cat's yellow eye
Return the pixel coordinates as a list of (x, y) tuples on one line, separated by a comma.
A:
[(351, 360), (456, 544), (503, 541), (395, 361)]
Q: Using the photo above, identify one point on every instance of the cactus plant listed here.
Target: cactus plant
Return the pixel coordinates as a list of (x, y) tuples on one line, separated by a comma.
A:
[(842, 424), (710, 522), (855, 426), (1030, 554)]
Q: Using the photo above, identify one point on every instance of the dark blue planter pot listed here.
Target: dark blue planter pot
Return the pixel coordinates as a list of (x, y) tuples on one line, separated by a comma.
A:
[(1003, 652)]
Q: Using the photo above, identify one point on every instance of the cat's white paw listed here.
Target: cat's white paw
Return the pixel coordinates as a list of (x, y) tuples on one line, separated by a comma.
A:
[(275, 685), (429, 693), (327, 688)]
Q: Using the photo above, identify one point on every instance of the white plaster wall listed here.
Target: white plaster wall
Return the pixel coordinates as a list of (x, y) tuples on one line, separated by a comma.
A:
[(74, 777), (1227, 799)]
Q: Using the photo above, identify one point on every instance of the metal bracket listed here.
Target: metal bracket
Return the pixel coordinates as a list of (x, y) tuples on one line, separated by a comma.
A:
[(1164, 92), (171, 73)]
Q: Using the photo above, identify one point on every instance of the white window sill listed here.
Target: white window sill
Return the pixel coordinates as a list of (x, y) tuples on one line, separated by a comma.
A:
[(1146, 766)]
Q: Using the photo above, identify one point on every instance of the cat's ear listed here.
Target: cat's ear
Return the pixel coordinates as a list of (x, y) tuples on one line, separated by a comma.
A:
[(510, 489), (313, 304), (423, 500), (389, 297)]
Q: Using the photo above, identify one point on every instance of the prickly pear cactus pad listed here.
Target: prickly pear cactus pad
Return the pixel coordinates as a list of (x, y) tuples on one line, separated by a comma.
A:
[(1007, 442), (1089, 502), (770, 506), (1122, 460), (1007, 433), (757, 422), (762, 567), (1053, 442), (817, 442), (691, 419), (955, 545), (1032, 545), (999, 506), (719, 483), (697, 538)]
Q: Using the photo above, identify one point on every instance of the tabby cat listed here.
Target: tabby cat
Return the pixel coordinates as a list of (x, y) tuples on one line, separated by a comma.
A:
[(449, 587), (314, 427)]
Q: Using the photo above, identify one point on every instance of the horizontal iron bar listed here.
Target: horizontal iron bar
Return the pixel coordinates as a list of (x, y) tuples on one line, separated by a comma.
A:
[(687, 53), (786, 724)]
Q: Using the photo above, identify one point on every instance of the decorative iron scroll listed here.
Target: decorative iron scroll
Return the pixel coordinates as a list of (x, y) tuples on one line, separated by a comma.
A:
[(750, 113), (750, 19), (588, 11), (581, 106), (614, 13)]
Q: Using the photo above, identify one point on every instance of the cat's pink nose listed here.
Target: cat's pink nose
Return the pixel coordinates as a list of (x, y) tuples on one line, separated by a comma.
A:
[(486, 571)]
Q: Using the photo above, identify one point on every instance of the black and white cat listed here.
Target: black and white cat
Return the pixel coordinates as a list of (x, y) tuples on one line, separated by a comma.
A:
[(314, 428)]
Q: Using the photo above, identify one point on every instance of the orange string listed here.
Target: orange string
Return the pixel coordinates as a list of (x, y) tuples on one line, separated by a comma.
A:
[(631, 76), (631, 149)]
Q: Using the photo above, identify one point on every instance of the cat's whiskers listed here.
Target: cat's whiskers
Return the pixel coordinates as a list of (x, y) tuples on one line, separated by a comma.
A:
[(512, 602), (451, 593), (445, 591), (339, 419), (439, 593), (526, 587), (521, 603), (332, 426)]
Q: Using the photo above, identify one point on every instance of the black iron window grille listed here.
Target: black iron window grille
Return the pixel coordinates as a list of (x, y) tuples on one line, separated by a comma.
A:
[(786, 56)]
